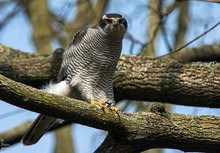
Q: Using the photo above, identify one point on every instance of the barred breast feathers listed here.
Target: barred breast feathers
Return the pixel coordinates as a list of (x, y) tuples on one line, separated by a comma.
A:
[(89, 64)]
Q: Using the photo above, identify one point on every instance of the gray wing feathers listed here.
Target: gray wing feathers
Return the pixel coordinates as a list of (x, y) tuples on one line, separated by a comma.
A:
[(78, 36), (66, 58), (40, 126), (43, 122)]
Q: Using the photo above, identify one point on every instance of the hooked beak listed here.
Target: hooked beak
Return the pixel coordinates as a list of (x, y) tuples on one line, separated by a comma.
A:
[(115, 24)]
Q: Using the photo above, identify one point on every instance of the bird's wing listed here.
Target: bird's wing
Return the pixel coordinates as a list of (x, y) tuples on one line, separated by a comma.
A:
[(66, 58), (43, 122)]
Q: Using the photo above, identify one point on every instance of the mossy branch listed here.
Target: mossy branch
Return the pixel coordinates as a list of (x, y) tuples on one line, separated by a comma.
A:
[(147, 129)]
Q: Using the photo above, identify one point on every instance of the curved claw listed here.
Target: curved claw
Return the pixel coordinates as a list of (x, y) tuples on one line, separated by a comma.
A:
[(113, 108), (101, 104), (104, 105)]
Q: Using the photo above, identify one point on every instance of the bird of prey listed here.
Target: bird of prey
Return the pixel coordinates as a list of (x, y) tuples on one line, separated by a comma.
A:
[(87, 70)]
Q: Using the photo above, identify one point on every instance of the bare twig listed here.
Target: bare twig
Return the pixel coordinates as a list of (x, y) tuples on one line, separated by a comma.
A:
[(8, 17), (190, 42)]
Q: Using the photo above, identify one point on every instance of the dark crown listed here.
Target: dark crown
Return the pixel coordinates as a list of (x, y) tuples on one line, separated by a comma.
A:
[(113, 15)]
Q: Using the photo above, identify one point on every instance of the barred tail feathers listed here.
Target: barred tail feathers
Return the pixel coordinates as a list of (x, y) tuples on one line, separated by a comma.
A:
[(40, 126)]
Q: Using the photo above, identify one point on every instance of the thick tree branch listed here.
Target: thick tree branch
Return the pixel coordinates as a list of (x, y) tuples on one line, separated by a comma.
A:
[(194, 84), (165, 80), (15, 134), (32, 69), (140, 131)]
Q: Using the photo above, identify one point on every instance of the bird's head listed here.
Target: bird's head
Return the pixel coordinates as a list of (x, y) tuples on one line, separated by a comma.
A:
[(113, 24)]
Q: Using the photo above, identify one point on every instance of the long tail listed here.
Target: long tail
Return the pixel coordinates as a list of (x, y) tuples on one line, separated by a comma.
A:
[(43, 122), (40, 126)]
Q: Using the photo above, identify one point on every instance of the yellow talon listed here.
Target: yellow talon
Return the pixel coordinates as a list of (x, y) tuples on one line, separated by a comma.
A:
[(104, 105), (101, 104)]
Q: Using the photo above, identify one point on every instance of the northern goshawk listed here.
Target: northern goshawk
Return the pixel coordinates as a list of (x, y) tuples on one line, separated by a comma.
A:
[(87, 70)]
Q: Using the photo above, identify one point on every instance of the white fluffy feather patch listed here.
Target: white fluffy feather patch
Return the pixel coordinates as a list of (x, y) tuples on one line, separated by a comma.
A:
[(62, 88)]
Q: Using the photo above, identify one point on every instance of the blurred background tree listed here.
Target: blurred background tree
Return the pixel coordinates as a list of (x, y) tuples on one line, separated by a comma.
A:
[(155, 27)]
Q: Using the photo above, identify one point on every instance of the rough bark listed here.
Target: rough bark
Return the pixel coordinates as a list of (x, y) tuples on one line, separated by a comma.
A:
[(167, 81), (137, 131), (171, 81), (33, 69), (153, 29)]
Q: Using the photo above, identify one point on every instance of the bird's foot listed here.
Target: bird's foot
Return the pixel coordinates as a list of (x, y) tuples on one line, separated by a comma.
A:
[(104, 105), (101, 104)]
